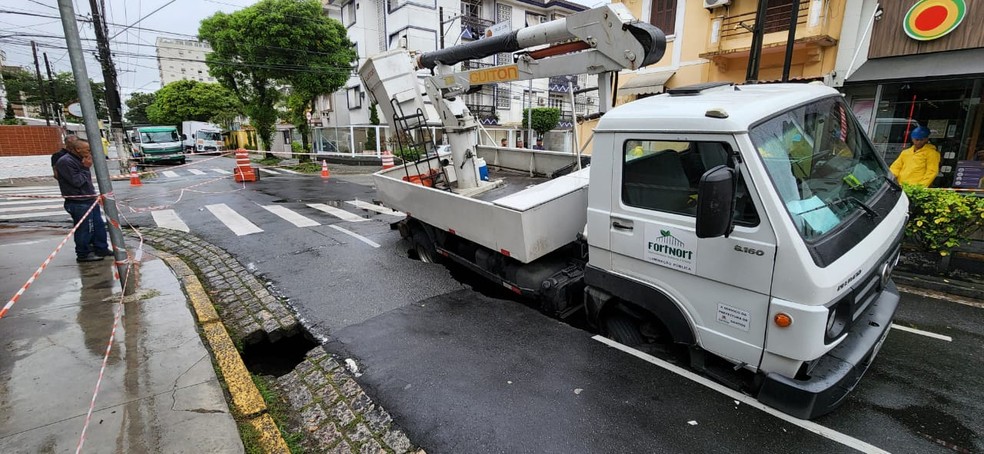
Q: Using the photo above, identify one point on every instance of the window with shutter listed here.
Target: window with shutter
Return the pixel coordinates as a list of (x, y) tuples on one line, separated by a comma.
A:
[(663, 15)]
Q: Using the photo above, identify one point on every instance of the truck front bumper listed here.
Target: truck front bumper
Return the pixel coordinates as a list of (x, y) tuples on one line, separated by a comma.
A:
[(835, 374)]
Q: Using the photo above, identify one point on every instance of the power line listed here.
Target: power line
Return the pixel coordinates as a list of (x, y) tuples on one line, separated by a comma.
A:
[(142, 18)]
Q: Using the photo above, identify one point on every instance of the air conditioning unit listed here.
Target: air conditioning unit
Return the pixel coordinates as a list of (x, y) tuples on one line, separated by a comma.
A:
[(711, 4)]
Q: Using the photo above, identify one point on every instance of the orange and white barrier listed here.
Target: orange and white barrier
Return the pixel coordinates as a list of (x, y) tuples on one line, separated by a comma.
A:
[(387, 160), (244, 170), (324, 169), (134, 177)]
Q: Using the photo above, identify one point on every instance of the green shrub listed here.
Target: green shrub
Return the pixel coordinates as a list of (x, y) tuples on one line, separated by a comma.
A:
[(296, 147), (941, 220)]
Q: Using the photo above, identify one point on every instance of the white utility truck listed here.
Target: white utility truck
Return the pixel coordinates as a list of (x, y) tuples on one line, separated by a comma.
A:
[(753, 225), (202, 137)]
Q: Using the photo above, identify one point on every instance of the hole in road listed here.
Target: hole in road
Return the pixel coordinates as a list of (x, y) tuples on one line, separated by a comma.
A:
[(277, 358)]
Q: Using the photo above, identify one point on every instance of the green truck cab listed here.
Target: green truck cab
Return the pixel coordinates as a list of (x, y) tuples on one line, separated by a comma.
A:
[(157, 144)]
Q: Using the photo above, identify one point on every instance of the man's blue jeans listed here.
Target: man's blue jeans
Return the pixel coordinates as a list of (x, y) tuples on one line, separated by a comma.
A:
[(91, 234)]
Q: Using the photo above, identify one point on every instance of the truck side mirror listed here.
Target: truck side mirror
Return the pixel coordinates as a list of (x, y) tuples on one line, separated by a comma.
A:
[(184, 137), (716, 202)]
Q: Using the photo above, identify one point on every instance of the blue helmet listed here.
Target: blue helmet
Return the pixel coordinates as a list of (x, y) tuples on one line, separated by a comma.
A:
[(920, 133)]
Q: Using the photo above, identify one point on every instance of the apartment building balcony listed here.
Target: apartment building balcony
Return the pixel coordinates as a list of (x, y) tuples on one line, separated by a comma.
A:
[(468, 65), (484, 113), (473, 28), (730, 35), (561, 84)]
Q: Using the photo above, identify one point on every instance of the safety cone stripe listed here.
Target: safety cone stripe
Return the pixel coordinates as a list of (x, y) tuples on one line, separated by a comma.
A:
[(233, 220)]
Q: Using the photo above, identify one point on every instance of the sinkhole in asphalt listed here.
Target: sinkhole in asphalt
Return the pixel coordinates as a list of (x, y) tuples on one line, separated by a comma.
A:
[(280, 357)]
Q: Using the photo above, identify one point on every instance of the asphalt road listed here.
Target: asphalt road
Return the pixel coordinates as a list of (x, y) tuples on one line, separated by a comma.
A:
[(464, 371)]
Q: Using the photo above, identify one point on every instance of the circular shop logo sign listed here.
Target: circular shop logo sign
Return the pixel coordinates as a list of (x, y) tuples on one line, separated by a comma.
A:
[(931, 19)]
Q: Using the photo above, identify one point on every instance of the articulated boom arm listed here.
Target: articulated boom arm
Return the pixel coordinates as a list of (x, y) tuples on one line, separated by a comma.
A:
[(600, 40)]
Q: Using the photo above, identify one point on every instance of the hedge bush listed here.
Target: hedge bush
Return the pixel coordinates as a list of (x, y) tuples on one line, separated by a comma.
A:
[(941, 220)]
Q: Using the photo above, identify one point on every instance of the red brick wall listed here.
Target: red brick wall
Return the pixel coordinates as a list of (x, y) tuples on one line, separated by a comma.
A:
[(29, 140)]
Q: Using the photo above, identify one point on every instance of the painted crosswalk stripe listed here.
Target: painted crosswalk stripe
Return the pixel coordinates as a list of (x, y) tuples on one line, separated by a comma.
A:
[(373, 207), (24, 201), (337, 212), (234, 221), (355, 235), (46, 214), (196, 172), (291, 216), (292, 172), (271, 172), (28, 189), (222, 171), (168, 219), (42, 207), (170, 173)]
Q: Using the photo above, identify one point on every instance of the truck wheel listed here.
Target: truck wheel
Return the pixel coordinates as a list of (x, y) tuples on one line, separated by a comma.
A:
[(623, 329), (424, 247)]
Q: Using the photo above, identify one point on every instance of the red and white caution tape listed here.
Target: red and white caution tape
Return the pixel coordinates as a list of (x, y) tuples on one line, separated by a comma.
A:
[(44, 264)]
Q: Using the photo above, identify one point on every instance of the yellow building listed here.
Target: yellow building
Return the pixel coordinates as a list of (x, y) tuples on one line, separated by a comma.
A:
[(714, 44)]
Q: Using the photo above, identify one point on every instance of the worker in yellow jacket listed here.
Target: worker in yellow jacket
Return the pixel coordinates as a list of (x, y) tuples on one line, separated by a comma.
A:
[(918, 164)]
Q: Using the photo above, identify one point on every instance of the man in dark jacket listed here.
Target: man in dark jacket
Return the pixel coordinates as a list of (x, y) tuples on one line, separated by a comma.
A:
[(75, 182), (62, 152)]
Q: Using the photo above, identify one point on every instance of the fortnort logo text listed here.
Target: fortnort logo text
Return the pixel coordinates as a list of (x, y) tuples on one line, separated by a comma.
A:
[(670, 246)]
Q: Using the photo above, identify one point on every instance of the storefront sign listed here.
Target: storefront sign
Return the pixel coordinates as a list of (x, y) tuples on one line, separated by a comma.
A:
[(969, 174), (931, 19)]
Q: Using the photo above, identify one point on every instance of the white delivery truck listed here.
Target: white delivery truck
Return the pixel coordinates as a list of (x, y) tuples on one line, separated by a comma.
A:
[(202, 137), (753, 225)]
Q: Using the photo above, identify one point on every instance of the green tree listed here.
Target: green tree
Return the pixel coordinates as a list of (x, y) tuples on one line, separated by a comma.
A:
[(22, 88), (371, 134), (137, 107), (273, 43), (191, 100), (8, 113), (544, 119)]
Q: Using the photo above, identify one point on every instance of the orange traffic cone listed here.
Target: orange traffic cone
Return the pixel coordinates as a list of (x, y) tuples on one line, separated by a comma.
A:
[(324, 169), (387, 160), (134, 177)]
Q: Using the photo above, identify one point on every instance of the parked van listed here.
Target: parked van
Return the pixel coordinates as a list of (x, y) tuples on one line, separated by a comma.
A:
[(157, 144)]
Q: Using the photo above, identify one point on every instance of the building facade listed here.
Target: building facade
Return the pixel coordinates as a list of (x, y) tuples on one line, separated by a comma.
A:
[(182, 59), (921, 63), (376, 26), (3, 88)]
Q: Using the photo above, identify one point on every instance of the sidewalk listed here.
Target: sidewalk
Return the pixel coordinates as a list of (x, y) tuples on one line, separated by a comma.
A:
[(159, 392)]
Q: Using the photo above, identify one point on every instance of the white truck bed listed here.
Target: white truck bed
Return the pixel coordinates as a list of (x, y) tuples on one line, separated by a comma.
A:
[(525, 224)]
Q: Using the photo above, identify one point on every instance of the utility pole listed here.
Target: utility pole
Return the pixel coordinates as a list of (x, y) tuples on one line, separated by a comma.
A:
[(55, 107), (37, 70), (109, 78), (755, 54), (90, 118)]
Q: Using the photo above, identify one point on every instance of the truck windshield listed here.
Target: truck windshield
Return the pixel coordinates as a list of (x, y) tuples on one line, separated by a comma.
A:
[(209, 135), (820, 163), (159, 137)]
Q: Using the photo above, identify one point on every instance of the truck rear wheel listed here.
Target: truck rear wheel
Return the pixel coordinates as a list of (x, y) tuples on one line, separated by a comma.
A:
[(623, 329), (424, 247)]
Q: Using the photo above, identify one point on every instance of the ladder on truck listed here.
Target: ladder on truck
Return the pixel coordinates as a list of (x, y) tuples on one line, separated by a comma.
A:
[(415, 142)]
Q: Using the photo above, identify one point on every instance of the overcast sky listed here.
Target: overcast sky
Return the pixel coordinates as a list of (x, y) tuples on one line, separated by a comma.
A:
[(134, 48)]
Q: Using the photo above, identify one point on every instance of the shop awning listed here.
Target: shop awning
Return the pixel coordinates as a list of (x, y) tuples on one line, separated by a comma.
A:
[(648, 83), (939, 64)]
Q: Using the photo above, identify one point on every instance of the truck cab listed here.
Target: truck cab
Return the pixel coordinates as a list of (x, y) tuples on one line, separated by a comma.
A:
[(157, 144), (795, 287)]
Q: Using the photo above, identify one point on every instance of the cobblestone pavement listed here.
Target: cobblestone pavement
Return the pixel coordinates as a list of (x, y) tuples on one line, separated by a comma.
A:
[(333, 412)]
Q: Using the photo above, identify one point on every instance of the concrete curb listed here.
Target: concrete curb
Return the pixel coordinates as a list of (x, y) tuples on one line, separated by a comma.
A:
[(245, 396), (944, 285), (333, 412)]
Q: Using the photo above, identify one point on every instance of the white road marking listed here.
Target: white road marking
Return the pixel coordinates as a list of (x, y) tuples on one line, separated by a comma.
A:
[(170, 173), (291, 216), (337, 212), (168, 219), (42, 207), (811, 426), (292, 172), (374, 207), (924, 333), (23, 189), (271, 172), (196, 172), (26, 201), (222, 171), (22, 243), (234, 221), (355, 235), (45, 214)]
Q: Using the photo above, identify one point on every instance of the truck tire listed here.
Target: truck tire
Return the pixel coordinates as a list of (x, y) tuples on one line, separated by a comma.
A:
[(424, 247), (623, 329)]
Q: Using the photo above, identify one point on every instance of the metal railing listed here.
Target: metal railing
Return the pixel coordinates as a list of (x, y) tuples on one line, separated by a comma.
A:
[(475, 25), (776, 19)]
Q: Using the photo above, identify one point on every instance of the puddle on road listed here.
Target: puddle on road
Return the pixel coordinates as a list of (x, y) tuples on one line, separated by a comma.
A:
[(934, 425)]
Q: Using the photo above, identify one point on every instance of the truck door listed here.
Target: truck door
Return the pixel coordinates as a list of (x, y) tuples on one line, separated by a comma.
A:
[(721, 285)]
